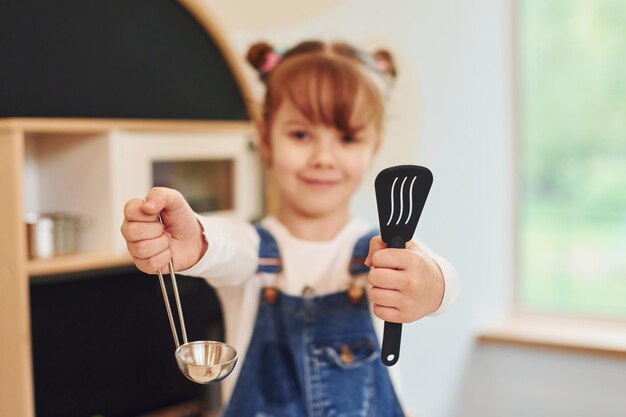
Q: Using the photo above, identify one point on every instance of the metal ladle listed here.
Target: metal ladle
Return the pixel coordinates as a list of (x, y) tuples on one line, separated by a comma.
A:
[(201, 361)]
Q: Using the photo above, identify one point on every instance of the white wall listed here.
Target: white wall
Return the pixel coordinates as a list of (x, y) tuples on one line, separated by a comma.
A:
[(452, 111), (522, 382)]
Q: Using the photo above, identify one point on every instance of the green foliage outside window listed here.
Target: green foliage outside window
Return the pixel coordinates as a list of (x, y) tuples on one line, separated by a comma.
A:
[(572, 219)]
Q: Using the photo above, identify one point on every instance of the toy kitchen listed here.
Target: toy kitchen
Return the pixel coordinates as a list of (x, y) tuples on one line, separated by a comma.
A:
[(103, 101)]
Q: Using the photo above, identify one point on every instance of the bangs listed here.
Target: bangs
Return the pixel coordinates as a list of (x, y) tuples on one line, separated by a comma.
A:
[(333, 92)]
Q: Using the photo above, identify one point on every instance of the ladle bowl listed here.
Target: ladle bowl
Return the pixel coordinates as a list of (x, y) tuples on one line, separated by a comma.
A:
[(206, 361)]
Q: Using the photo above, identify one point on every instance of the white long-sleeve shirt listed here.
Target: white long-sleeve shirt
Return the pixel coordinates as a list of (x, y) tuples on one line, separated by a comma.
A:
[(231, 261)]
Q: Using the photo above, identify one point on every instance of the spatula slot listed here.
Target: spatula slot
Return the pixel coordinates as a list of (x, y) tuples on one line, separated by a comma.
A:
[(401, 197)]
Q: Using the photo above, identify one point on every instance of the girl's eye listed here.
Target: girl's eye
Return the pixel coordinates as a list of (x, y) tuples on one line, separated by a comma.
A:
[(347, 138), (299, 134)]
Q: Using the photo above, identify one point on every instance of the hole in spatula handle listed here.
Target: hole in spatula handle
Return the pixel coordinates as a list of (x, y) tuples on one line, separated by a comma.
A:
[(390, 352)]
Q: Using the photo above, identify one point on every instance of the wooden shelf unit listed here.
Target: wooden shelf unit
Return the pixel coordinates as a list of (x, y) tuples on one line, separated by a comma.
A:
[(16, 384)]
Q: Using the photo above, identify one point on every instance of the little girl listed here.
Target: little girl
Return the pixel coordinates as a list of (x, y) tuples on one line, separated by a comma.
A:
[(297, 290)]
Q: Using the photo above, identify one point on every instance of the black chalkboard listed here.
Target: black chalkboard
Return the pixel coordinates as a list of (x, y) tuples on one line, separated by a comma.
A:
[(111, 59), (102, 344)]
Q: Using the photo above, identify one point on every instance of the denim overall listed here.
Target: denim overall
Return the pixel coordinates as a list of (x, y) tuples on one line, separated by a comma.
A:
[(313, 356)]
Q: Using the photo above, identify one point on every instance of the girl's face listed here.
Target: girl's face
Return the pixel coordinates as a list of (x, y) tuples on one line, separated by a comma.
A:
[(317, 168)]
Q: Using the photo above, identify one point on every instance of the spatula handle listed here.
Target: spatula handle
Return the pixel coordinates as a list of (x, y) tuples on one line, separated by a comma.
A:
[(392, 334)]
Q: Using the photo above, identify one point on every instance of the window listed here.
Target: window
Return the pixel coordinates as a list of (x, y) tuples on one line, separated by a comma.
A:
[(572, 103)]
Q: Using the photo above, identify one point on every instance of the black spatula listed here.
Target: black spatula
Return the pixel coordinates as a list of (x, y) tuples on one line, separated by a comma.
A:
[(401, 193)]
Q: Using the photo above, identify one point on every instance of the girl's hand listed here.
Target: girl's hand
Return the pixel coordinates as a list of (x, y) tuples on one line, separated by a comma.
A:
[(152, 244), (407, 284)]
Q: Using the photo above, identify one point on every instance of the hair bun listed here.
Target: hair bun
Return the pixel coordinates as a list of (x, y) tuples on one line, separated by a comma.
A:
[(385, 63), (258, 55)]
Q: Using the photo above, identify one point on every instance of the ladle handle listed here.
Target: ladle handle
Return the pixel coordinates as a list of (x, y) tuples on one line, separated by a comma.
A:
[(178, 305), (168, 308)]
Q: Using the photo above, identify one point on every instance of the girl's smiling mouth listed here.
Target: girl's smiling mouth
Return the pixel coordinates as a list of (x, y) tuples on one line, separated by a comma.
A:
[(319, 181)]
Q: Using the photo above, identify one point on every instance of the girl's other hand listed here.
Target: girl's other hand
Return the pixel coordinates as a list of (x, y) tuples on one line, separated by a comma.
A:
[(152, 244), (407, 284)]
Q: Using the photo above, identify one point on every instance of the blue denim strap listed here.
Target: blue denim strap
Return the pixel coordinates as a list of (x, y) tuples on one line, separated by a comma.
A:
[(269, 254), (360, 252)]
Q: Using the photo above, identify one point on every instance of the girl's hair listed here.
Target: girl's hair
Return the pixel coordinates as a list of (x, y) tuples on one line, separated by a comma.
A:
[(324, 81)]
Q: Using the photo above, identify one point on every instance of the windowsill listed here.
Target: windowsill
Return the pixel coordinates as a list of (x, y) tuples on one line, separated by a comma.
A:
[(563, 334)]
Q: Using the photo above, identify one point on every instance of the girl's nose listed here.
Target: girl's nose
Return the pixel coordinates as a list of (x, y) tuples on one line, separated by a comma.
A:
[(323, 155)]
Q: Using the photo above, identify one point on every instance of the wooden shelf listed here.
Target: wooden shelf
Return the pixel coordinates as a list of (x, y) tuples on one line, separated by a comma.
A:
[(76, 263), (68, 126)]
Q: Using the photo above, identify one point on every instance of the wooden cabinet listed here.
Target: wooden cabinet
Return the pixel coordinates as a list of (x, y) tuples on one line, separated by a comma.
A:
[(65, 164)]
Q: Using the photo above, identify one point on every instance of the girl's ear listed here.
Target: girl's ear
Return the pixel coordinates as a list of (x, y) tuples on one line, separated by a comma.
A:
[(264, 142)]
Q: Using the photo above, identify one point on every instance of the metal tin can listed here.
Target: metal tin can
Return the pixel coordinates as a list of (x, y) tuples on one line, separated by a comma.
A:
[(40, 233), (53, 234)]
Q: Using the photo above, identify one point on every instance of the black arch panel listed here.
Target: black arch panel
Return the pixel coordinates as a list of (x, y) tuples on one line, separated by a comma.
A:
[(111, 59)]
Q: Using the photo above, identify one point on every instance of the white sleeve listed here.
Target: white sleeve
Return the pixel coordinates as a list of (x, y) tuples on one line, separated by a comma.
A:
[(232, 254), (452, 285)]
